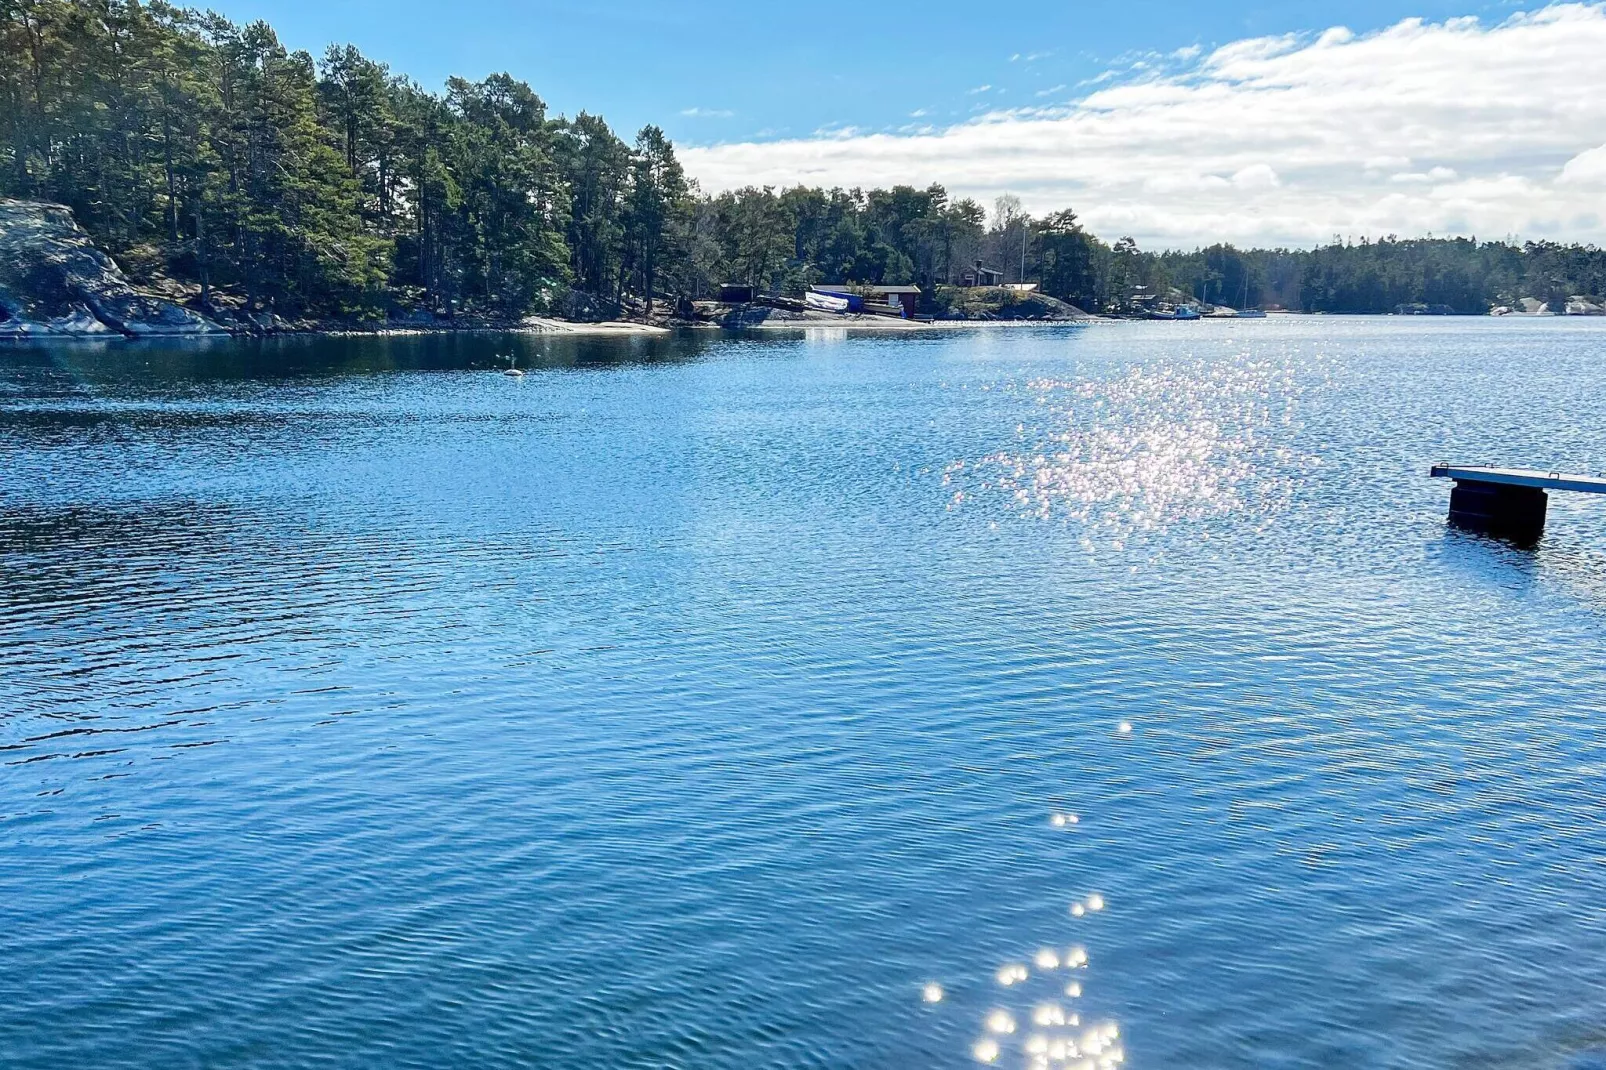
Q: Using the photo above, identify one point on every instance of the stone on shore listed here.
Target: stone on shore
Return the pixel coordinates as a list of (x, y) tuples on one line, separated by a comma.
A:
[(54, 282)]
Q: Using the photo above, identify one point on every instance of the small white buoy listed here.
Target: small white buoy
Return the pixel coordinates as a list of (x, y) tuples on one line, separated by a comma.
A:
[(932, 993), (1125, 728)]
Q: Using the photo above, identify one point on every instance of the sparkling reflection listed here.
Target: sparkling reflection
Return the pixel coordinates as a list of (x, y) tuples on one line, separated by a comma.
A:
[(1001, 1022), (1135, 455), (1012, 974), (1058, 1038)]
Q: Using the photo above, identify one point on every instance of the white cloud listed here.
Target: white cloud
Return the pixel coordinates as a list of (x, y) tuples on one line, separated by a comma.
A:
[(1437, 174), (978, 89), (707, 113), (1183, 182), (1588, 168), (1256, 176), (1386, 163), (1446, 127)]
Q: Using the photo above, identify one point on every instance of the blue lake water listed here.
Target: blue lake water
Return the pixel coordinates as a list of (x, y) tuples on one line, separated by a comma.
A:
[(697, 701)]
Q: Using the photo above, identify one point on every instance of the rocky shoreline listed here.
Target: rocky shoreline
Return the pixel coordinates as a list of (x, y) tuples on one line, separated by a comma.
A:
[(55, 282)]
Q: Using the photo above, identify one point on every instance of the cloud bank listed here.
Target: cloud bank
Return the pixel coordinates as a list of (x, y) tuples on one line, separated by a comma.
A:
[(1446, 128)]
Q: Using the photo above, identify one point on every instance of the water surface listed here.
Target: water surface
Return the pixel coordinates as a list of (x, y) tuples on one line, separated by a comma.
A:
[(695, 702)]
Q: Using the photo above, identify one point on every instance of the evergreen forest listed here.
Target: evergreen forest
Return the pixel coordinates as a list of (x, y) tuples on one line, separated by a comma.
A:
[(206, 154)]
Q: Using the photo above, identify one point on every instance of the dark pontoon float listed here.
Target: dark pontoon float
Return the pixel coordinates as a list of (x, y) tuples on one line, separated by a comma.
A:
[(1507, 502)]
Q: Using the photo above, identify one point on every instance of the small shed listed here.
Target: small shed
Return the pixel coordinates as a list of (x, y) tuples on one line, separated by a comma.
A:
[(736, 294), (906, 296), (982, 275)]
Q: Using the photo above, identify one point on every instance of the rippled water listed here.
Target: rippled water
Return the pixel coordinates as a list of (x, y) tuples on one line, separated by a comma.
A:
[(712, 702)]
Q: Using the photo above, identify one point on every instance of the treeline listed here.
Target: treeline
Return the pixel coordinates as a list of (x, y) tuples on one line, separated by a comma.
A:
[(1452, 274), (198, 150), (191, 147)]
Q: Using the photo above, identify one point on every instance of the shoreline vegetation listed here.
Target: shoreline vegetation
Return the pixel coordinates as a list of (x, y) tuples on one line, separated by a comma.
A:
[(225, 182)]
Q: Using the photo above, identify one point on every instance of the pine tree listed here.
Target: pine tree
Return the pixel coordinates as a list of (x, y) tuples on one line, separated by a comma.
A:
[(657, 210)]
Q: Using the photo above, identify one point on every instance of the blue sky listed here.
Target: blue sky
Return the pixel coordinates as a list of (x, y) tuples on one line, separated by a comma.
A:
[(1178, 123), (712, 71)]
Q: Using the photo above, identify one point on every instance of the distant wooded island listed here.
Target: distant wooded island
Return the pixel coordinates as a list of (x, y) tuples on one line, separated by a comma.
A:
[(219, 167)]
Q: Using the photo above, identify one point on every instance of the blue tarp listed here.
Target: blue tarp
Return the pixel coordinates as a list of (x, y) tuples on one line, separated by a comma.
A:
[(855, 302)]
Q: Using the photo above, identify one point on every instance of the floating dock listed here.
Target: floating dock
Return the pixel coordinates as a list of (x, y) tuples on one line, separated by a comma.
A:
[(1507, 502)]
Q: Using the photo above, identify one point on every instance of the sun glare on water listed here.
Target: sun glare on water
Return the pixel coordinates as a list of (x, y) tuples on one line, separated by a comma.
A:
[(1133, 456)]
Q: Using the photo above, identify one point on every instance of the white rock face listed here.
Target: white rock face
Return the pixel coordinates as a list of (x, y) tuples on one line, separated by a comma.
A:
[(53, 281)]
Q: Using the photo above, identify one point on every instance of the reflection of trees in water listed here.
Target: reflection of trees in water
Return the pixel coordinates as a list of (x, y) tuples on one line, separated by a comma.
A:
[(99, 603), (63, 425), (77, 530), (153, 621), (91, 577), (184, 572), (154, 362), (116, 610)]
